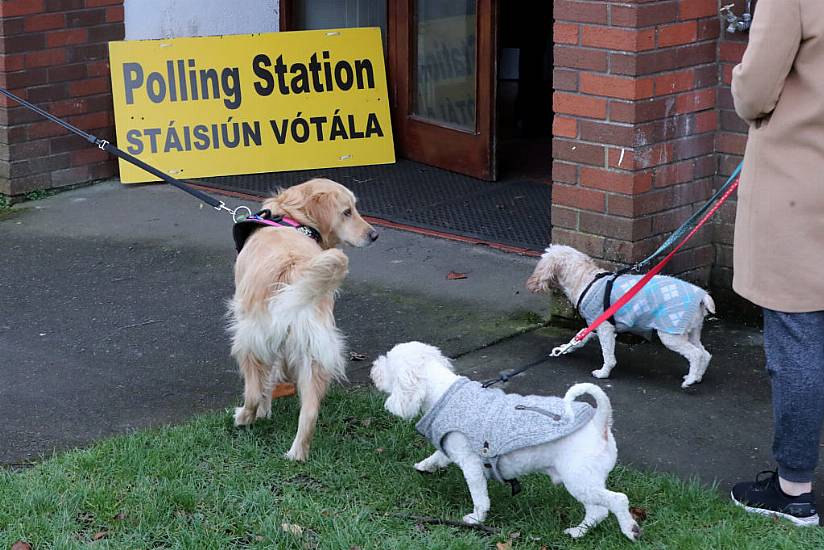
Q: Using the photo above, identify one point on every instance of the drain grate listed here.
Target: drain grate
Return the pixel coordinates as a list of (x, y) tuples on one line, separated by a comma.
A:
[(515, 213)]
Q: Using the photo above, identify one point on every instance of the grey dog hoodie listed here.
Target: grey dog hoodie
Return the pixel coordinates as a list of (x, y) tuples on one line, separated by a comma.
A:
[(496, 423)]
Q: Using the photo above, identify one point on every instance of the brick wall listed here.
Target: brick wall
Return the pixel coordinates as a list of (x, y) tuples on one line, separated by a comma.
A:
[(730, 143), (54, 53), (635, 102)]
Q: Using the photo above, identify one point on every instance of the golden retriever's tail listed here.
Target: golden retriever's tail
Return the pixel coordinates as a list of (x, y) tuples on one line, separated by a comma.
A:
[(322, 276), (603, 411), (305, 330)]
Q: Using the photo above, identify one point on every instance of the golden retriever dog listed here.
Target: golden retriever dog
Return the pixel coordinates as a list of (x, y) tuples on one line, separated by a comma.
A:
[(282, 323)]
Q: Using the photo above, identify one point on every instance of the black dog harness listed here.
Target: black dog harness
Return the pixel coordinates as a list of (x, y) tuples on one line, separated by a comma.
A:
[(244, 228), (607, 292)]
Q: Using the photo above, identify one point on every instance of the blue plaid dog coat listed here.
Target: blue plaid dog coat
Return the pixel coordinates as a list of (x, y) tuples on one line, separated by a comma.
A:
[(665, 303)]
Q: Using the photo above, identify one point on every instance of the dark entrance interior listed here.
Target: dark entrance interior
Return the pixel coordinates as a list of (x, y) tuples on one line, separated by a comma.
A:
[(524, 136)]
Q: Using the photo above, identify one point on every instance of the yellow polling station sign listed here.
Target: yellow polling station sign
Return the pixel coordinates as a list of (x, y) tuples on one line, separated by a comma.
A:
[(241, 104)]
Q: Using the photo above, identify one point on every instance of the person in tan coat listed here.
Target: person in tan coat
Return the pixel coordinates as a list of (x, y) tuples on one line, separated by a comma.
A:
[(779, 238)]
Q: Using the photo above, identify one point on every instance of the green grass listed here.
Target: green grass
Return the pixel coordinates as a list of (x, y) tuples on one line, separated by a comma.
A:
[(38, 194), (5, 202), (207, 485)]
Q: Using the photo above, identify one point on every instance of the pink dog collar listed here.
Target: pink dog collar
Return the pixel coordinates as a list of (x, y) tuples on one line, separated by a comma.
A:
[(243, 229)]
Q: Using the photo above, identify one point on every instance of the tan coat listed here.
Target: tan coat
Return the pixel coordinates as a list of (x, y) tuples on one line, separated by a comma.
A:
[(779, 89)]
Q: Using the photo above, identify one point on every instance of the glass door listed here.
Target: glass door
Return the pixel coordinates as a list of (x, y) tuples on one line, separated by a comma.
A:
[(445, 83), (441, 69)]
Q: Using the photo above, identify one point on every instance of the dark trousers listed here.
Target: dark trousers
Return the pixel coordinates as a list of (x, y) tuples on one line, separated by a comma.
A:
[(794, 344)]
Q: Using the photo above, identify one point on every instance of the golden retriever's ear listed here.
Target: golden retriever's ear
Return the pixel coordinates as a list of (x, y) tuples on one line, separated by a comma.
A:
[(289, 198), (321, 211)]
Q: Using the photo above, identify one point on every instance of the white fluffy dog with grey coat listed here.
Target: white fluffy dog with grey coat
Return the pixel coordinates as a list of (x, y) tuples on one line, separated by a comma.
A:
[(672, 308), (490, 434)]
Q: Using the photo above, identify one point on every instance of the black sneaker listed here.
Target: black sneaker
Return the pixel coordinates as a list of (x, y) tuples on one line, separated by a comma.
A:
[(764, 496)]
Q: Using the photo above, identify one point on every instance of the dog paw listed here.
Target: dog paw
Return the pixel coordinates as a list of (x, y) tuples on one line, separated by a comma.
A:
[(601, 373), (471, 519), (243, 417), (296, 454), (633, 533), (689, 381), (421, 467), (575, 532)]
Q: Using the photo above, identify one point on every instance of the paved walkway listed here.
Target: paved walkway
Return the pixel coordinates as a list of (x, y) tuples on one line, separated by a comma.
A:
[(112, 303)]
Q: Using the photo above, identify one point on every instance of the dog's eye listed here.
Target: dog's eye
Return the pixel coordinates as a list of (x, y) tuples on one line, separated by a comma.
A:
[(347, 213)]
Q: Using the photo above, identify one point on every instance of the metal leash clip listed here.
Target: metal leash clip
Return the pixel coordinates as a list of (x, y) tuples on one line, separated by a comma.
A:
[(563, 349), (237, 213)]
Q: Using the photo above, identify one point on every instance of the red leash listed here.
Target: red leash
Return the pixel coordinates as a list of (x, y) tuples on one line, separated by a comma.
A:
[(622, 301)]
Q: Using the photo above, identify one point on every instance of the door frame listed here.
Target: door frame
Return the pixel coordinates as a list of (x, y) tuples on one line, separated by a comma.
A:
[(467, 151), (470, 152)]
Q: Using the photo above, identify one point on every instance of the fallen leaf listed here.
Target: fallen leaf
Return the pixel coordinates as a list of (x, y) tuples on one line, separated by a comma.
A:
[(640, 514), (366, 422), (292, 528), (259, 538), (100, 535), (504, 545), (455, 275), (515, 535), (355, 356), (21, 545), (379, 450), (120, 516)]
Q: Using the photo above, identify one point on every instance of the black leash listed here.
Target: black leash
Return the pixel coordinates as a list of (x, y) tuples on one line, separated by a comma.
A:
[(112, 150), (507, 374)]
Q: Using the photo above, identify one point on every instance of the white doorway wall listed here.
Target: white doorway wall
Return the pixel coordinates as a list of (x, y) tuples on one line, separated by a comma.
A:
[(150, 19)]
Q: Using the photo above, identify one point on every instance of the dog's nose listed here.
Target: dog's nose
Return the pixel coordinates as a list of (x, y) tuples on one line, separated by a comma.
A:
[(373, 235)]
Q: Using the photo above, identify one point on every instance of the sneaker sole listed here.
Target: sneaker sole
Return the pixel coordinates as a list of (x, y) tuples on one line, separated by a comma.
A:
[(811, 521)]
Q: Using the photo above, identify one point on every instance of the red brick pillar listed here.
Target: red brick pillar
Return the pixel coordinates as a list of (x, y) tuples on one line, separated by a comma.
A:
[(54, 53), (635, 120)]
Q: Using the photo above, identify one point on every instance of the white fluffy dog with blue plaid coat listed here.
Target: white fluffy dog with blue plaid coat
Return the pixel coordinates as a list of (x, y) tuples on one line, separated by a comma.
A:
[(672, 308)]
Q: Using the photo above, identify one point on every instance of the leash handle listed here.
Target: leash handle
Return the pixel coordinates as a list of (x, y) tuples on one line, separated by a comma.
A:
[(652, 273)]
